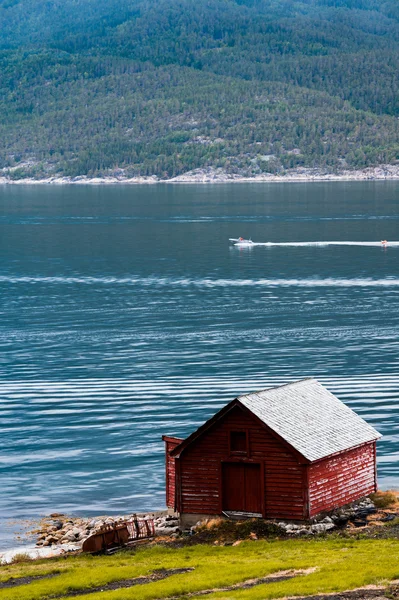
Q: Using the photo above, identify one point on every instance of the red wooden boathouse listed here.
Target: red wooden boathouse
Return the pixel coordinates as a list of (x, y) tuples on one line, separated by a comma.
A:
[(286, 452)]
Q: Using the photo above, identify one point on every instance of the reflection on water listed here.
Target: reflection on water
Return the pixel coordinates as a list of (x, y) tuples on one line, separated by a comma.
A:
[(125, 314)]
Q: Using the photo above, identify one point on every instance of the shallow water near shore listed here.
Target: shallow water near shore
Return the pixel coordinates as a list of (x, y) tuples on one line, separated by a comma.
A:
[(125, 314)]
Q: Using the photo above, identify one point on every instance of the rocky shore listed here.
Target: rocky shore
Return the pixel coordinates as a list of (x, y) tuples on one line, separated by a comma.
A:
[(357, 515), (58, 533), (212, 175), (59, 529), (362, 515)]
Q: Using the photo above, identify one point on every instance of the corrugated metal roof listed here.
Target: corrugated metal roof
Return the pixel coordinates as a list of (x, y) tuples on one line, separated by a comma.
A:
[(310, 418)]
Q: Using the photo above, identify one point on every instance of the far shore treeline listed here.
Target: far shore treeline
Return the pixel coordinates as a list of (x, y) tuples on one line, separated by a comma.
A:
[(162, 87)]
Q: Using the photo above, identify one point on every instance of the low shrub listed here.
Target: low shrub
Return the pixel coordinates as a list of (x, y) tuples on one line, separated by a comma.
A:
[(21, 557), (384, 499), (227, 530)]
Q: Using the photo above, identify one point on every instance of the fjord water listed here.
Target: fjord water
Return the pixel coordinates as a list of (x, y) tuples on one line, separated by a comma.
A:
[(126, 315)]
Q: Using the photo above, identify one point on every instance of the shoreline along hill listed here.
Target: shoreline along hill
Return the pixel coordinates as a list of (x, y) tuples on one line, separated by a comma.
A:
[(138, 88)]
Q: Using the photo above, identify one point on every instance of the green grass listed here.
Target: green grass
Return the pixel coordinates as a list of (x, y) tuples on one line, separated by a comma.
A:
[(393, 523), (341, 564)]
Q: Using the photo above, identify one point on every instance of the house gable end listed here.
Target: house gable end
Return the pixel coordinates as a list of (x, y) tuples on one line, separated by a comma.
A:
[(204, 464), (219, 418), (203, 428)]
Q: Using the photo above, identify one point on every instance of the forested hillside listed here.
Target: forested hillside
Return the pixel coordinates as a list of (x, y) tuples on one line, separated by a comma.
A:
[(144, 87)]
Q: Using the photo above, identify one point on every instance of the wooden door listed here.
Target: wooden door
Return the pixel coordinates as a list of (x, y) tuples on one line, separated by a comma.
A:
[(241, 487)]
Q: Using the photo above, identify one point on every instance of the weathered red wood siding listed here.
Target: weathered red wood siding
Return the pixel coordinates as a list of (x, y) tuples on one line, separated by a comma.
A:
[(170, 467), (200, 469), (340, 479)]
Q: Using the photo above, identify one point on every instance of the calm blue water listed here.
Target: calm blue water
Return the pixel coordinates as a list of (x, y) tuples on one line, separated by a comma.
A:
[(125, 315)]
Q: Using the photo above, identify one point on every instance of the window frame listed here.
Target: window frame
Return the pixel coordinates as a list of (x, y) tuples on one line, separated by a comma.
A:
[(244, 453)]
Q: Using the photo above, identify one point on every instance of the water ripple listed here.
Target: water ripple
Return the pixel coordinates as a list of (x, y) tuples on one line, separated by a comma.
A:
[(121, 408), (205, 282), (126, 315)]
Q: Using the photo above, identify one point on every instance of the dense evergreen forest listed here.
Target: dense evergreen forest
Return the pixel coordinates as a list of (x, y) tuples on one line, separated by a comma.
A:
[(161, 87)]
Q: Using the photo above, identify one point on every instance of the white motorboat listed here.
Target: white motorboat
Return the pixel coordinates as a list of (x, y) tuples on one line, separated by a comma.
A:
[(241, 241)]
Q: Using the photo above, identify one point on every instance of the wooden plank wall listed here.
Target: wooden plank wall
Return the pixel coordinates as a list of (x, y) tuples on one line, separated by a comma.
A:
[(341, 479), (200, 469), (170, 466)]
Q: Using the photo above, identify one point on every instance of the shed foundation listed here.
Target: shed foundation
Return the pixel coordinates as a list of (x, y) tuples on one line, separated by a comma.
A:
[(187, 520)]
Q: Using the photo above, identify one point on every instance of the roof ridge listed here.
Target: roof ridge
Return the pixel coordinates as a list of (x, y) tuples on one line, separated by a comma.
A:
[(310, 418), (276, 387), (314, 422)]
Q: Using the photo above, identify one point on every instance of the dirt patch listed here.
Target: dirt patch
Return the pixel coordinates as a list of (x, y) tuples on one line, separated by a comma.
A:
[(250, 583), (374, 530), (10, 583), (369, 592), (126, 583)]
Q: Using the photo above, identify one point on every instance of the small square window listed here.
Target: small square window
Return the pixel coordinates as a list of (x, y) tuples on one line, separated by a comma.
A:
[(238, 441)]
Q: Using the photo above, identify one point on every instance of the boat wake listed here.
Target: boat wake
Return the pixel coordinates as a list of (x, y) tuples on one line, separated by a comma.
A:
[(384, 244)]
